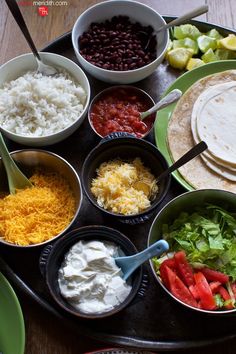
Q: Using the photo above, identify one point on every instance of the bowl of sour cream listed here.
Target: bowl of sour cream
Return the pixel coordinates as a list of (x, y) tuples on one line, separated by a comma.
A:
[(82, 275)]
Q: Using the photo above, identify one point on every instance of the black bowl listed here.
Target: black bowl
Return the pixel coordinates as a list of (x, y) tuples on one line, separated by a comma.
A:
[(125, 146), (53, 255), (188, 202)]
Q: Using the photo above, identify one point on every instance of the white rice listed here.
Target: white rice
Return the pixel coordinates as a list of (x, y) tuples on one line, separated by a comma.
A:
[(37, 105)]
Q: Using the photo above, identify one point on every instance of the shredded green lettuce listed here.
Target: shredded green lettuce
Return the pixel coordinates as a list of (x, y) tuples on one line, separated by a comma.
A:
[(208, 236)]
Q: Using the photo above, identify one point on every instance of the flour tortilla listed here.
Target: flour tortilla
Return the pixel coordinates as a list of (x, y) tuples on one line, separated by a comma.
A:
[(216, 164), (180, 138), (215, 112)]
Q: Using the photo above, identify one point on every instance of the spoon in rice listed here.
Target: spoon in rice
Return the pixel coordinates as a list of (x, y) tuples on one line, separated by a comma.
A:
[(16, 179), (44, 69)]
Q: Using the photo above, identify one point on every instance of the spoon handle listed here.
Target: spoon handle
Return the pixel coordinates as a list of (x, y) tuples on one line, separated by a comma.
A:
[(16, 179), (133, 262), (156, 249), (165, 101), (6, 158), (196, 150), (13, 7), (180, 20)]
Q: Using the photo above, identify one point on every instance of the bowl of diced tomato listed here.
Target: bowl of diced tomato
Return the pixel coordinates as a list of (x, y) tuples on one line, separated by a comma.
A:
[(118, 108), (199, 270)]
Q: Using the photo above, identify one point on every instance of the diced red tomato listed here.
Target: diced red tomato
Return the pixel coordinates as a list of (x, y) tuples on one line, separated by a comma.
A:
[(193, 290), (206, 298), (178, 289), (233, 287), (214, 285), (163, 271), (214, 275), (184, 269), (226, 297)]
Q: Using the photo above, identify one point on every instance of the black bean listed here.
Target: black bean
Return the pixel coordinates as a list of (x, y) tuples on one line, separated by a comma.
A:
[(118, 44)]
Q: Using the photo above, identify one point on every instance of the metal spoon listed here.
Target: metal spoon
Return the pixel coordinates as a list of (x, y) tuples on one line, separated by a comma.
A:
[(165, 101), (195, 151), (180, 20), (16, 179), (42, 68), (129, 264)]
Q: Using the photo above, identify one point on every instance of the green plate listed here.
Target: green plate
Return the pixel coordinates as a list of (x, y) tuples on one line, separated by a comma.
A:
[(12, 328), (183, 83)]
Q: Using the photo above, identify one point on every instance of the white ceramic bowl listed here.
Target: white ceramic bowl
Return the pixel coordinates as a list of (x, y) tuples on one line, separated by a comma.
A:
[(18, 66), (136, 12)]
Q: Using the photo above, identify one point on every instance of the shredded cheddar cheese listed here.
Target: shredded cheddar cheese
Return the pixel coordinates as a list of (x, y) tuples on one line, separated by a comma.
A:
[(34, 215), (124, 187)]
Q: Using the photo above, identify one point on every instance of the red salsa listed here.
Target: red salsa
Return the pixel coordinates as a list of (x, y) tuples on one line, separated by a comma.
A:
[(119, 111)]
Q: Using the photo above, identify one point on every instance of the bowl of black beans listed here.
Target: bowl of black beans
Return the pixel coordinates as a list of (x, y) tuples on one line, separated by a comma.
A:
[(115, 41)]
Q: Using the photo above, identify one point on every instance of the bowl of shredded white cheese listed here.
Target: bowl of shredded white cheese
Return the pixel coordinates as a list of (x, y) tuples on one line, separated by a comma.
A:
[(82, 275), (37, 109), (119, 177)]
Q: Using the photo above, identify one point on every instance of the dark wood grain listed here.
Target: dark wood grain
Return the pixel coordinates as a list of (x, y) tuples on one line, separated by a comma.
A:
[(44, 334)]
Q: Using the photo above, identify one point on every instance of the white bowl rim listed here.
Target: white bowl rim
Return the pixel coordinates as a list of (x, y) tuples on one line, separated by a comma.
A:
[(36, 138), (74, 40)]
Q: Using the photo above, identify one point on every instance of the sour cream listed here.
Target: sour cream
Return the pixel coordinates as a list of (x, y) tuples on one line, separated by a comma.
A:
[(89, 278)]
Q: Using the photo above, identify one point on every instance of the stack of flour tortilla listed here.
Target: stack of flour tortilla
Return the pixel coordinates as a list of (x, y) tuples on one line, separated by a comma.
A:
[(207, 111)]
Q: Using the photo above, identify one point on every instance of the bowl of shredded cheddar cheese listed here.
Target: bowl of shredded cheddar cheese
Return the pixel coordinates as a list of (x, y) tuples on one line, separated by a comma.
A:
[(119, 177), (34, 216)]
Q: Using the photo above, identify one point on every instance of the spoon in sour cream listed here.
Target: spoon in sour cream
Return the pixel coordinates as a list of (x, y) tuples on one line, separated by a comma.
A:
[(129, 264), (42, 67)]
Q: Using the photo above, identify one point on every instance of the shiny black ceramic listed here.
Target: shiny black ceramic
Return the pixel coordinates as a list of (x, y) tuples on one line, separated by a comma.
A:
[(126, 147), (53, 255)]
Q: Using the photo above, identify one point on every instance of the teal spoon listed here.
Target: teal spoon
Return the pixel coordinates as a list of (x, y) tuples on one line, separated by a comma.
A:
[(128, 264), (16, 179)]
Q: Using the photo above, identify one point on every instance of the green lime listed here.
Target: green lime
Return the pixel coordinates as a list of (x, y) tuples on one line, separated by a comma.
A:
[(209, 56), (213, 33), (225, 54), (186, 43), (205, 43), (186, 30), (170, 46), (179, 57)]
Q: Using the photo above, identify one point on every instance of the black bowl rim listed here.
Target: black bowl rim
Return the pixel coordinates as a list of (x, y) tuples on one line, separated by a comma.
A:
[(137, 141), (111, 89), (204, 190), (93, 229)]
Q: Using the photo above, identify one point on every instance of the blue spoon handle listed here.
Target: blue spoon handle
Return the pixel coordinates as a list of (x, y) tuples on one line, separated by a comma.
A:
[(129, 264)]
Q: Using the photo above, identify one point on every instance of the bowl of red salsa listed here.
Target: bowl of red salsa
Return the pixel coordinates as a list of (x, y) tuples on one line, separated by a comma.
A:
[(118, 108)]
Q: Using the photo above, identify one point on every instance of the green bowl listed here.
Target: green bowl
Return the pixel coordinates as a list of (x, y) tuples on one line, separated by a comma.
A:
[(12, 329), (187, 202)]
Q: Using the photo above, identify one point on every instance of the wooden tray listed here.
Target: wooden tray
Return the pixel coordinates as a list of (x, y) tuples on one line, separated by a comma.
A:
[(151, 322)]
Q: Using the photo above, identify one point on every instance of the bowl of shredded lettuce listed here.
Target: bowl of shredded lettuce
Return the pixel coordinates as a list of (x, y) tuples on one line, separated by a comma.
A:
[(199, 270)]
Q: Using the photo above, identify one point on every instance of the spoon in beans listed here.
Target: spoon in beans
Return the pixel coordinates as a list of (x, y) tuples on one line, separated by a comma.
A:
[(178, 21)]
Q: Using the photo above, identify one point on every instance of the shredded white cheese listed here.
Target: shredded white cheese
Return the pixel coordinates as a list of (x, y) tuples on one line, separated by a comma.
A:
[(124, 187)]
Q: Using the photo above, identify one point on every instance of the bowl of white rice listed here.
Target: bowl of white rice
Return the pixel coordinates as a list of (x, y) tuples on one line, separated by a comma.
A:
[(40, 110)]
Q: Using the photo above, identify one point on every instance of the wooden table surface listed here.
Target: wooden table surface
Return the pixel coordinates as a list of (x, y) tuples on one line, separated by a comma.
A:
[(43, 334)]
